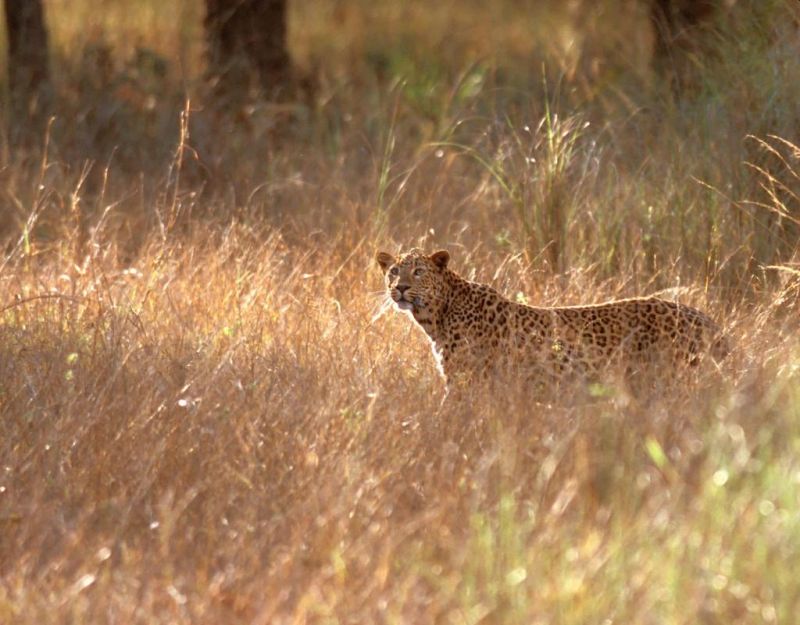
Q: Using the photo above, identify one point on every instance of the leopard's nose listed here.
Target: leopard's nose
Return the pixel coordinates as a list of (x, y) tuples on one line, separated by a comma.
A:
[(402, 288)]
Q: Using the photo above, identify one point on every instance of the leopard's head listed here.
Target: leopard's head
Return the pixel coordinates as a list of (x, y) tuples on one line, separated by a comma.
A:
[(417, 282)]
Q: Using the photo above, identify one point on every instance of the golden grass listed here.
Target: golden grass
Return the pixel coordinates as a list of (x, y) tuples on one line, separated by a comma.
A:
[(202, 421)]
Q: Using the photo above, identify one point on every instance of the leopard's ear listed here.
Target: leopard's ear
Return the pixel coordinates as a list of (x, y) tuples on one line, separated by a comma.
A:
[(440, 258), (384, 260)]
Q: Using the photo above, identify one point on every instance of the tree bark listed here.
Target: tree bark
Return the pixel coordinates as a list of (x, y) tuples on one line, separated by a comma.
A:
[(247, 44), (28, 70)]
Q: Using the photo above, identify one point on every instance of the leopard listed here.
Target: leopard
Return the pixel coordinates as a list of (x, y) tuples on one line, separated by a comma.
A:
[(475, 331)]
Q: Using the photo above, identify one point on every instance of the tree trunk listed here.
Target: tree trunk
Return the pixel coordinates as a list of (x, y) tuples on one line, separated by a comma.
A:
[(28, 72), (674, 22), (247, 44)]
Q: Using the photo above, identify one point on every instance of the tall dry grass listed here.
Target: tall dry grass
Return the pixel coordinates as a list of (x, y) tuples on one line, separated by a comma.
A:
[(204, 419)]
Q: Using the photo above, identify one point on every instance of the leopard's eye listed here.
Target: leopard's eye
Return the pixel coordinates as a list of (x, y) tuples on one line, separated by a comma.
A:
[(394, 271), (418, 272)]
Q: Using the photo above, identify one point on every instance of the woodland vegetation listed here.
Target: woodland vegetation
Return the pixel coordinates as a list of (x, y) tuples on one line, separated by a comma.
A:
[(204, 418)]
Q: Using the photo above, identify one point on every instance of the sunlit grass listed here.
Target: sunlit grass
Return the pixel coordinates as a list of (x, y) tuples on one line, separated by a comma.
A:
[(204, 419)]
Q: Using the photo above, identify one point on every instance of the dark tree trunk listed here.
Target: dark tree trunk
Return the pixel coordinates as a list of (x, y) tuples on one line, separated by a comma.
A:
[(675, 23), (247, 44), (28, 72)]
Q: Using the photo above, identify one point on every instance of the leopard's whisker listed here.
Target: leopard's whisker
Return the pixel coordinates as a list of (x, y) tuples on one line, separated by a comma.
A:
[(385, 305)]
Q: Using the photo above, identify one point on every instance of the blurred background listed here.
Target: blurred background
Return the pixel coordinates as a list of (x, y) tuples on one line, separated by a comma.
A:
[(273, 108)]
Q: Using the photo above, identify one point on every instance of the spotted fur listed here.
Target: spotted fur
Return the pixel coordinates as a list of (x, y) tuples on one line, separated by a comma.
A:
[(475, 330)]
